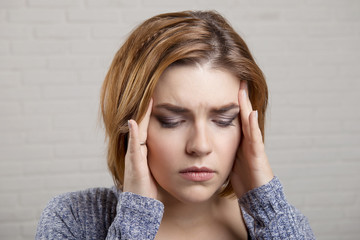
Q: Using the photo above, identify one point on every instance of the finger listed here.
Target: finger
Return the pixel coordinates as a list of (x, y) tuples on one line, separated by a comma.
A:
[(246, 88), (245, 110), (256, 136), (143, 125), (133, 144)]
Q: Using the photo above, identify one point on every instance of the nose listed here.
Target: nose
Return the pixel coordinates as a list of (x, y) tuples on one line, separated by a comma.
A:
[(199, 141)]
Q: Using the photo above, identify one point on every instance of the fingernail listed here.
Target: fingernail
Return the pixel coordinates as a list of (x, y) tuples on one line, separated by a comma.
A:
[(129, 125), (256, 114), (244, 93)]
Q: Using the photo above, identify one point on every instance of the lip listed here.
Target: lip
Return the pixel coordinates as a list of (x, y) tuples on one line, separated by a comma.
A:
[(197, 174)]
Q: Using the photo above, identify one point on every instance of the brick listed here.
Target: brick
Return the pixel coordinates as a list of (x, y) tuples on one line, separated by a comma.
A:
[(58, 31), (110, 31), (10, 79), (323, 184), (326, 30), (351, 126), (27, 229), (78, 150), (39, 47), (55, 4), (352, 212), (12, 4), (319, 113), (43, 78), (4, 47), (75, 122), (348, 14), (8, 200), (351, 153), (92, 77), (10, 230), (333, 3), (12, 138), (308, 99), (94, 165), (131, 17), (74, 63), (22, 62), (19, 93), (25, 123), (278, 60), (111, 3), (26, 153), (314, 15), (94, 47), (13, 215), (70, 92), (35, 199), (10, 108), (317, 155), (308, 141), (164, 3), (51, 137), (21, 184), (96, 137), (15, 31), (3, 16), (322, 214), (77, 181), (328, 199), (59, 107), (276, 3), (313, 169), (37, 16), (53, 167), (349, 45), (86, 16)]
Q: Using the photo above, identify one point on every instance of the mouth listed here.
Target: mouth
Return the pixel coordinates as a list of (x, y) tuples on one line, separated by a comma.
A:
[(196, 174)]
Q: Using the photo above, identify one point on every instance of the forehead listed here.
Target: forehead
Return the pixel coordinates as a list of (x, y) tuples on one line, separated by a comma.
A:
[(196, 85)]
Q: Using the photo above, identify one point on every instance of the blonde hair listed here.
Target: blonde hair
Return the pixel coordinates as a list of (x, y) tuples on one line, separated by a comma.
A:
[(188, 37)]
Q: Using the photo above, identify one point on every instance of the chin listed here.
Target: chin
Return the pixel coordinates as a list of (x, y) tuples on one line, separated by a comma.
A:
[(193, 194)]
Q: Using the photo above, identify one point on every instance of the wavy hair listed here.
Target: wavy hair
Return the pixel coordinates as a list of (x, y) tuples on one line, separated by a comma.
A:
[(189, 37)]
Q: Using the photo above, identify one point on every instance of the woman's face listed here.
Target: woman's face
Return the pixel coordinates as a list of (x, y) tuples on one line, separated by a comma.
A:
[(194, 131)]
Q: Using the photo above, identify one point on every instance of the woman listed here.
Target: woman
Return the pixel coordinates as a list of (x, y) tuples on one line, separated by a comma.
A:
[(185, 146)]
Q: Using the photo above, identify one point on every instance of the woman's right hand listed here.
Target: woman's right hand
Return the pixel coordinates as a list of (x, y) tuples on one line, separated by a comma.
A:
[(137, 177)]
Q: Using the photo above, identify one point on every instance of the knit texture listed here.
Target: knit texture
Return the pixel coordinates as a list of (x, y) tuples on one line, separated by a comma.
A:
[(105, 213)]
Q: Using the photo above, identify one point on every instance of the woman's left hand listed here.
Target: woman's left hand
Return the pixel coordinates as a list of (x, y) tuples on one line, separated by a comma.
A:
[(251, 168)]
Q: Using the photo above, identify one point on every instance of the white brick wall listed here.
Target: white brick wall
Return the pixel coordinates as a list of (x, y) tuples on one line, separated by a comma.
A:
[(54, 56)]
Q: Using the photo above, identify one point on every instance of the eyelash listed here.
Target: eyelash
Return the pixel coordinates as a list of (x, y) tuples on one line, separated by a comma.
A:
[(173, 124), (224, 124), (170, 124)]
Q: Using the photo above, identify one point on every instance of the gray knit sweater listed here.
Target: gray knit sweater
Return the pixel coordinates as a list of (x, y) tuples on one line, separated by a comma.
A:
[(105, 213)]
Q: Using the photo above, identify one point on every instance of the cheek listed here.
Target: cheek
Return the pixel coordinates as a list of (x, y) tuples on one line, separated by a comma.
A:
[(162, 147), (227, 145)]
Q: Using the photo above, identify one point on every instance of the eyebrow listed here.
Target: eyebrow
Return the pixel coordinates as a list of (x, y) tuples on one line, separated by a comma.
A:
[(225, 108), (178, 109)]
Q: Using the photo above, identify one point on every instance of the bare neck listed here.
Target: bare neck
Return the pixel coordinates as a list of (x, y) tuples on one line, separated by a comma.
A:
[(216, 218)]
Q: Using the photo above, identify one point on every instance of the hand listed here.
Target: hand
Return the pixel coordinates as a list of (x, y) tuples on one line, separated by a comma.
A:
[(251, 168), (137, 176)]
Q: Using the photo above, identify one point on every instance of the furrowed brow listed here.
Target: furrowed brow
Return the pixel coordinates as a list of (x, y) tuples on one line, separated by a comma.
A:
[(225, 108), (172, 108)]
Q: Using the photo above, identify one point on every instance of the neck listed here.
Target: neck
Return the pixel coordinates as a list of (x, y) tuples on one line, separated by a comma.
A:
[(185, 214)]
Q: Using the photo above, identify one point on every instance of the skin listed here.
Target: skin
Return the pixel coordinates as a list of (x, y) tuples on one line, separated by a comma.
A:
[(202, 135)]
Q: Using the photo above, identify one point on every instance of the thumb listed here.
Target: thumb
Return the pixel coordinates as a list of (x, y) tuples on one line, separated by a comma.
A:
[(133, 144)]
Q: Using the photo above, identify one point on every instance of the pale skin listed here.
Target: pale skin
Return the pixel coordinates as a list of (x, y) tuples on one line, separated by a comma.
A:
[(197, 136)]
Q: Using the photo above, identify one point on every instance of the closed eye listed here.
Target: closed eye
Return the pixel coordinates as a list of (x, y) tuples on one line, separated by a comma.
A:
[(225, 121), (167, 122)]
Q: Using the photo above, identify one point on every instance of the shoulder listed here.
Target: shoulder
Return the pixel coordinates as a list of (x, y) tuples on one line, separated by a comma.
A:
[(77, 214), (85, 202), (84, 197)]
